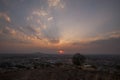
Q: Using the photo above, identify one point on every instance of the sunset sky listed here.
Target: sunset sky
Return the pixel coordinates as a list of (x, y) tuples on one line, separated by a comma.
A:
[(85, 26)]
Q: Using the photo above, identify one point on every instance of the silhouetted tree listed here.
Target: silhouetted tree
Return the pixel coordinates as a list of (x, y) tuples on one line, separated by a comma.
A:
[(78, 59)]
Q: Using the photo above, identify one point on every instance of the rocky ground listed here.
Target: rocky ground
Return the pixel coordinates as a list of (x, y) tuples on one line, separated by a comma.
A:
[(58, 73)]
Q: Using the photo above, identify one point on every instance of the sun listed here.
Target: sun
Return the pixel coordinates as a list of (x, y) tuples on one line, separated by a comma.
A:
[(61, 51)]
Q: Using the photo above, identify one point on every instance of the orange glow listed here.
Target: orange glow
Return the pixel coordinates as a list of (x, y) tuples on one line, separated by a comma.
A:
[(61, 51)]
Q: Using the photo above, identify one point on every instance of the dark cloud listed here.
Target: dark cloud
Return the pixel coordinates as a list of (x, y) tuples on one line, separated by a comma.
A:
[(110, 45), (54, 41), (105, 46), (78, 44)]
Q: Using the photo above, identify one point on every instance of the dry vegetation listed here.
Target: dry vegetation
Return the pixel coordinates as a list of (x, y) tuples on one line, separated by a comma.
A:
[(58, 73)]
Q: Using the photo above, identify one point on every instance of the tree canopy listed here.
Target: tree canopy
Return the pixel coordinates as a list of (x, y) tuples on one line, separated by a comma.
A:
[(78, 59)]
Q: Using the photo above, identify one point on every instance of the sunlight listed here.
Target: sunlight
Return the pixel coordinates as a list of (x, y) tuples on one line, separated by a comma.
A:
[(61, 51)]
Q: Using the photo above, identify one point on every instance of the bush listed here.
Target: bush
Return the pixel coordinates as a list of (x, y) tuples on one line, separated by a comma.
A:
[(78, 59)]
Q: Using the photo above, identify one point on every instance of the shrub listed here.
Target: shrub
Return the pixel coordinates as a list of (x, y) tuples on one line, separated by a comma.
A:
[(78, 59)]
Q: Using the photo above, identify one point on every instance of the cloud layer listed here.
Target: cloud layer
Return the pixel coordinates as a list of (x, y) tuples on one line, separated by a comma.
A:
[(86, 26)]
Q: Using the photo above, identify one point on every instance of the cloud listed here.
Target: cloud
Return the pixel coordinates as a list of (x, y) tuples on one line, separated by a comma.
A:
[(38, 17), (0, 31), (54, 41), (29, 18), (43, 26), (10, 34), (100, 37), (5, 17), (42, 22), (107, 43), (109, 35), (48, 35), (55, 3), (50, 18), (106, 46), (8, 31), (40, 13), (52, 34), (31, 32), (105, 36), (114, 34)]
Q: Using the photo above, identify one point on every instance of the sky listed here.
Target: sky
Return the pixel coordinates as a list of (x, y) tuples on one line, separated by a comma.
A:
[(85, 26)]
